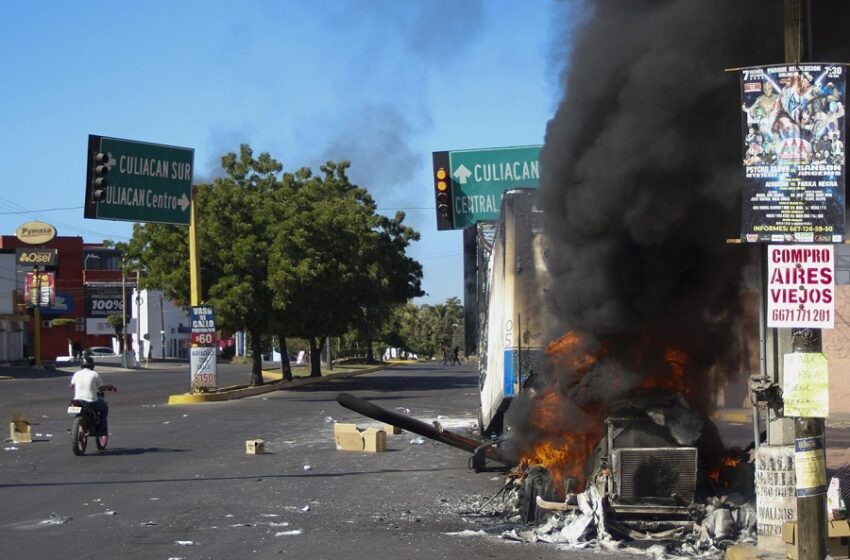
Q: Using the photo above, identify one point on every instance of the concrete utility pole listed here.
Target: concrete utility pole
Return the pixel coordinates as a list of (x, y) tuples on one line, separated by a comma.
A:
[(808, 432), (140, 344), (123, 340)]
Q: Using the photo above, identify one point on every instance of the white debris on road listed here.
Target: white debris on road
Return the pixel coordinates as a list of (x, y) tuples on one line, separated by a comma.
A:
[(288, 533), (468, 533)]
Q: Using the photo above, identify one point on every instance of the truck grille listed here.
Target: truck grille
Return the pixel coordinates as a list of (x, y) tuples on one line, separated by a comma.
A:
[(655, 475)]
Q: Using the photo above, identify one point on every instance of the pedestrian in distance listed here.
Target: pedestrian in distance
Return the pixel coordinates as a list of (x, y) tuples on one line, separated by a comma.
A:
[(456, 359), (78, 351)]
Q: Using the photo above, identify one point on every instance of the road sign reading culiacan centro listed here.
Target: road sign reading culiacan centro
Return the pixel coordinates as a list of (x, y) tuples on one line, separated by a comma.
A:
[(135, 181), (477, 178)]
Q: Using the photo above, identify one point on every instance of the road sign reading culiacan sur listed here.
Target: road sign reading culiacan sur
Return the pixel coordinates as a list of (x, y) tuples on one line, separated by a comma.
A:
[(469, 183), (135, 181)]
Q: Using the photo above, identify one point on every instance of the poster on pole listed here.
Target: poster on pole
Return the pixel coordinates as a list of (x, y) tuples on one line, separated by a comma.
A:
[(39, 289), (805, 386), (801, 286), (204, 369), (793, 153)]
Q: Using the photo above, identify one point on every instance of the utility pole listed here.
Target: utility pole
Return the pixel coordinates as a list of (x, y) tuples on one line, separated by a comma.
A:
[(140, 345), (36, 317), (809, 433), (123, 341)]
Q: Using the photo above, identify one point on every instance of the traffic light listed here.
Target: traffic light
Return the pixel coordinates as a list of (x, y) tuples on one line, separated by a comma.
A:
[(443, 191), (100, 166)]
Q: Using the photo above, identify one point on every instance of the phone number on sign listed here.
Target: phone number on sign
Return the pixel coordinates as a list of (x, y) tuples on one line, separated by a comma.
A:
[(802, 315)]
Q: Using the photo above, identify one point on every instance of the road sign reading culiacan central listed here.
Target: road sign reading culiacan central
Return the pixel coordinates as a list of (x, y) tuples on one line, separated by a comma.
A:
[(469, 183), (135, 181)]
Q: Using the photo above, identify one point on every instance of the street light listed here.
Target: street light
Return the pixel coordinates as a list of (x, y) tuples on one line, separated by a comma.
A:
[(86, 260)]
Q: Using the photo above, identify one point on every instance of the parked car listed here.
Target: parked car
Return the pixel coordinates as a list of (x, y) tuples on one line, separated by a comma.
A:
[(96, 351)]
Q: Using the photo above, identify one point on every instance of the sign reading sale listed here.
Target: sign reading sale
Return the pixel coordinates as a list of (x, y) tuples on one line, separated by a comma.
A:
[(801, 286)]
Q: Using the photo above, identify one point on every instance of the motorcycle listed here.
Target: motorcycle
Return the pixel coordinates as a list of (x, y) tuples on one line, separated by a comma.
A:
[(87, 424)]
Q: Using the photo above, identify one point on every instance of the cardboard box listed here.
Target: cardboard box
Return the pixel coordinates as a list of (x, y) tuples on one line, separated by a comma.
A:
[(838, 545), (374, 440), (255, 446), (838, 541), (347, 437), (390, 429), (20, 430)]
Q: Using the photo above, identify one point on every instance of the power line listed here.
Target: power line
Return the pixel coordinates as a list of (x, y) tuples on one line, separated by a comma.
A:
[(43, 210)]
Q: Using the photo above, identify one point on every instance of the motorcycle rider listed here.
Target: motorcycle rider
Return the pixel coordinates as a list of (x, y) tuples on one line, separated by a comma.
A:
[(86, 383)]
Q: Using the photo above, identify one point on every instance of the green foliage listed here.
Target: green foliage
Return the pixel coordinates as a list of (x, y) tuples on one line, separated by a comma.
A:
[(295, 255), (335, 262), (425, 329)]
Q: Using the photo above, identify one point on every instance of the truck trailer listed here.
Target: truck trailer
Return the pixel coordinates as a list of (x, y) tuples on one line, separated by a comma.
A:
[(515, 318)]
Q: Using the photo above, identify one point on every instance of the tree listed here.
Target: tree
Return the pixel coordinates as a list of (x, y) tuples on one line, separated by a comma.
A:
[(388, 277), (331, 254), (299, 255), (233, 231)]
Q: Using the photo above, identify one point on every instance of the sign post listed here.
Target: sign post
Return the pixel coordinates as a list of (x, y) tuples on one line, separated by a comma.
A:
[(474, 181), (138, 182)]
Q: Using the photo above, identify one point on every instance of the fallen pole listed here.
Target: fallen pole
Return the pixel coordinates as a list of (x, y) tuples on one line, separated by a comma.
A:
[(430, 431)]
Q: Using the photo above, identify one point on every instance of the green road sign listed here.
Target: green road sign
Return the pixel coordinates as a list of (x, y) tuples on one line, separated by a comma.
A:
[(138, 182), (479, 177)]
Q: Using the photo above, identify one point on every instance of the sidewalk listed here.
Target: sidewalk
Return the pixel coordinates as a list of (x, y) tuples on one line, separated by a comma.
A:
[(51, 369), (242, 391)]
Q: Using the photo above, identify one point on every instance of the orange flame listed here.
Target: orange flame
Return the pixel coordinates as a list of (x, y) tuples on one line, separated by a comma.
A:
[(564, 443)]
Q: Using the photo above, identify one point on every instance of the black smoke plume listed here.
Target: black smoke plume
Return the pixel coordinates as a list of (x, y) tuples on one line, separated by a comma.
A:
[(641, 178), (641, 175)]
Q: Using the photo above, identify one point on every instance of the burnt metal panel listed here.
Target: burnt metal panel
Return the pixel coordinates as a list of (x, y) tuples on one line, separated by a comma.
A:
[(663, 476)]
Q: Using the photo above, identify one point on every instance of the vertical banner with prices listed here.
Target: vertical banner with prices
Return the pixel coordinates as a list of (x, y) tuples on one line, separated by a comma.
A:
[(204, 370)]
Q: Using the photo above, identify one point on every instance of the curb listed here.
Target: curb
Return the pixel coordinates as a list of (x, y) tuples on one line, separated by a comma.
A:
[(735, 416), (239, 392)]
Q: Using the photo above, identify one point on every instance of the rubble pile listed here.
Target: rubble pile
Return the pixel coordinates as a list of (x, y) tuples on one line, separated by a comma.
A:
[(709, 529)]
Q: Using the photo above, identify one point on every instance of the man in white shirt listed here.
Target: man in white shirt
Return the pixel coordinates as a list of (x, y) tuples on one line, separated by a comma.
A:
[(86, 383)]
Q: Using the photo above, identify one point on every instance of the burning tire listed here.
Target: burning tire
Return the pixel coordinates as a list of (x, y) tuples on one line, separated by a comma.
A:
[(537, 482)]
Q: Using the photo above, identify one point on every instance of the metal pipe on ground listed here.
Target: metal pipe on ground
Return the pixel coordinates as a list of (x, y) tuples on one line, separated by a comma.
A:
[(430, 431)]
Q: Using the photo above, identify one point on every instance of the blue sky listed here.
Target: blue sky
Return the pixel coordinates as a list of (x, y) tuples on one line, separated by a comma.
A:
[(378, 82)]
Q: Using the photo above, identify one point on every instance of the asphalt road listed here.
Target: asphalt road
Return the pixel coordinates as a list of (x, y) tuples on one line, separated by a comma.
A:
[(176, 481)]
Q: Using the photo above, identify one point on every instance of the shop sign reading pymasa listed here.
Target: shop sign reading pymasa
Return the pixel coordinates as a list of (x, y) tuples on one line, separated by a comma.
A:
[(35, 233)]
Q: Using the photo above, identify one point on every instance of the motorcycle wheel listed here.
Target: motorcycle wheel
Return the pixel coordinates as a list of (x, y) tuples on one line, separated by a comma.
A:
[(101, 441), (78, 436)]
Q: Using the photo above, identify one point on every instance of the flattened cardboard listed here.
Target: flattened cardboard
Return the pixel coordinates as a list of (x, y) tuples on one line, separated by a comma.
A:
[(838, 542)]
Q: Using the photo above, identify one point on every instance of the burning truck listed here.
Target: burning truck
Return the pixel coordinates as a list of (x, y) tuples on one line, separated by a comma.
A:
[(642, 448)]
